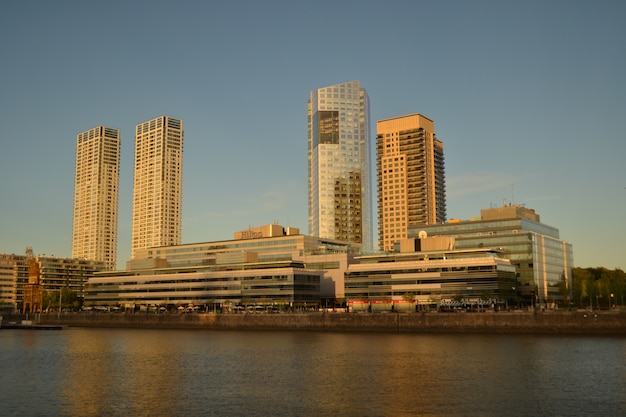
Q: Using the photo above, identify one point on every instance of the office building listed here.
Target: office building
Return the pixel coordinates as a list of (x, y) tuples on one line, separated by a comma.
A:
[(268, 265), (429, 273), (158, 181), (94, 231), (338, 164), (411, 177), (541, 259)]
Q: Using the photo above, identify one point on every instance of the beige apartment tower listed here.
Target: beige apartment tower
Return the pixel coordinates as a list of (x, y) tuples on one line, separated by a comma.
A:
[(158, 182), (411, 177), (94, 228)]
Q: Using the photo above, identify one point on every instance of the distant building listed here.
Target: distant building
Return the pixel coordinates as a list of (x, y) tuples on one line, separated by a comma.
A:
[(411, 177), (158, 180), (96, 188), (428, 273), (338, 164), (267, 265), (55, 274), (542, 260)]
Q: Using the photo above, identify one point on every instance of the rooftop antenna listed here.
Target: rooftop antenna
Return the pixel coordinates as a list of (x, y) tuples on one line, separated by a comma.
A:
[(513, 194)]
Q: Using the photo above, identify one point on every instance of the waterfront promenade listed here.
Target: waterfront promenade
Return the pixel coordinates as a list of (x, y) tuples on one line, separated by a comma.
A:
[(557, 322)]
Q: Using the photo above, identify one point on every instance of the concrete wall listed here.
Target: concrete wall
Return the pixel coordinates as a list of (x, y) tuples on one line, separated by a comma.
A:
[(610, 323)]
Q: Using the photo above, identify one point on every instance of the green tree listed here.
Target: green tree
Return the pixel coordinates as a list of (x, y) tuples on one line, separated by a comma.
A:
[(408, 296)]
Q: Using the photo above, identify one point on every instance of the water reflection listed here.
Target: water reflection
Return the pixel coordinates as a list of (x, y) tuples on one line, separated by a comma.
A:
[(110, 372), (122, 371)]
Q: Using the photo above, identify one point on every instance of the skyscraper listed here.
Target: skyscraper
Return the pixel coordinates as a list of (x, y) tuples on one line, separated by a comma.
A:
[(411, 177), (338, 164), (158, 182), (94, 229)]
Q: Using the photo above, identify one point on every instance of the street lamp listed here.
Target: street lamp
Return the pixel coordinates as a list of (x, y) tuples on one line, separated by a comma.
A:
[(611, 302)]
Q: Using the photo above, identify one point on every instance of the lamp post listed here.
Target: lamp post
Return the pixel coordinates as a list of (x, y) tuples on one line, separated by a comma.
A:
[(611, 302)]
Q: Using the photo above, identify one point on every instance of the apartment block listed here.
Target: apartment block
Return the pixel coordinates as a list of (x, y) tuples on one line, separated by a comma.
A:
[(94, 231), (411, 177), (158, 181)]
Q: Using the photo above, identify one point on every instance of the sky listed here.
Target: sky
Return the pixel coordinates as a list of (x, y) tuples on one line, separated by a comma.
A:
[(528, 98)]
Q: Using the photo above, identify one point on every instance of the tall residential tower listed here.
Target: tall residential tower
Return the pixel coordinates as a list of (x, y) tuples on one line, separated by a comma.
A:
[(338, 164), (411, 177), (158, 182), (94, 229)]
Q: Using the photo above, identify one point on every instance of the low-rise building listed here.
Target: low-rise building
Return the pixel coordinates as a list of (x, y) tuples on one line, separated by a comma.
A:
[(268, 265), (543, 261), (435, 278), (55, 274)]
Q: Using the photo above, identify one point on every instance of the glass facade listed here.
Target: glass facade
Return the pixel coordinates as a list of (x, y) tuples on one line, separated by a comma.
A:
[(541, 259), (432, 280), (338, 164), (282, 284)]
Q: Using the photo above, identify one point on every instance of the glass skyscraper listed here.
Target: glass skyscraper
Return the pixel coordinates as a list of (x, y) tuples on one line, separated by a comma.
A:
[(339, 164)]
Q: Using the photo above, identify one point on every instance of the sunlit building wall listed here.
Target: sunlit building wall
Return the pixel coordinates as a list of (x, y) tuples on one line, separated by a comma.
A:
[(411, 177), (430, 279), (269, 243), (55, 274), (94, 231), (541, 259), (158, 181), (338, 164), (8, 282)]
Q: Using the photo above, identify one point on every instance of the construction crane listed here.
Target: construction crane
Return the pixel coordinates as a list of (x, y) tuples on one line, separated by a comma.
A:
[(33, 290)]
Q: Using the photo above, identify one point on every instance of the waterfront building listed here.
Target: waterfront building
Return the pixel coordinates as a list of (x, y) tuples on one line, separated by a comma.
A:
[(428, 273), (267, 265), (157, 186), (222, 285), (411, 177), (339, 195), (55, 274), (8, 283), (542, 260), (96, 184)]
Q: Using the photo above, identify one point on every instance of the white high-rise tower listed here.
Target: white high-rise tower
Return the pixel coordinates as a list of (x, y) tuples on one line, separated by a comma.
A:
[(94, 228), (158, 183)]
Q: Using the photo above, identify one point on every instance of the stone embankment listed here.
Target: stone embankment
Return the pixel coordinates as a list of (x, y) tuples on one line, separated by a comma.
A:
[(591, 323)]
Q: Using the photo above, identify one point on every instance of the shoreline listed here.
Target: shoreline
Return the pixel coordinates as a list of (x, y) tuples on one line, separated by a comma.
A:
[(610, 323)]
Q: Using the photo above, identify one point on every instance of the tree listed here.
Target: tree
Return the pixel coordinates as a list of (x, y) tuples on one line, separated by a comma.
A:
[(64, 299), (408, 296), (593, 286)]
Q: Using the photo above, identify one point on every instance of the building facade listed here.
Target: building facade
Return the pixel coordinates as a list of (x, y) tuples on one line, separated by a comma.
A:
[(267, 265), (411, 177), (158, 181), (439, 279), (54, 274), (338, 164), (542, 260), (96, 185)]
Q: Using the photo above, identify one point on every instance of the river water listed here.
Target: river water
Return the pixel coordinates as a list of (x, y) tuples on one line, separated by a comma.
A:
[(142, 372)]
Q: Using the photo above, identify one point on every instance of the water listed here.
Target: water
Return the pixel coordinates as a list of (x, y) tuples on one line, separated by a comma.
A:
[(115, 372)]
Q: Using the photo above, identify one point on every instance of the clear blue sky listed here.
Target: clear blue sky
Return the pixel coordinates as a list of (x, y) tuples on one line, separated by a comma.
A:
[(528, 97)]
